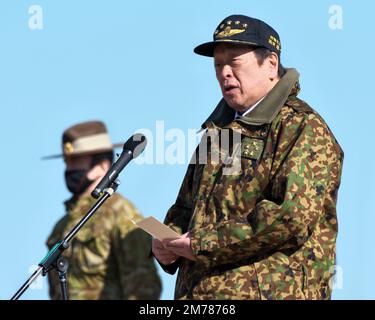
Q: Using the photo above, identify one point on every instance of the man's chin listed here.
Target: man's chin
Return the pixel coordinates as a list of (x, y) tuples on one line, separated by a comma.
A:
[(234, 105)]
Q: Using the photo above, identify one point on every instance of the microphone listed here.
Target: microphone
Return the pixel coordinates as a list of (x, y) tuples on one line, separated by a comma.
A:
[(132, 149)]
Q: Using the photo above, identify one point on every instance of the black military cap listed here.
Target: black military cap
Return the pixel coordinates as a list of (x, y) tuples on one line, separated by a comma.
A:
[(241, 29)]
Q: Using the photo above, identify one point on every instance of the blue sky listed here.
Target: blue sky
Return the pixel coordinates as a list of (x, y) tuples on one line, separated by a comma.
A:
[(131, 64)]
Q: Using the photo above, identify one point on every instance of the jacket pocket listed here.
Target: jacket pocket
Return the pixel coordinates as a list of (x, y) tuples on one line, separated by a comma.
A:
[(235, 283), (90, 252), (281, 278)]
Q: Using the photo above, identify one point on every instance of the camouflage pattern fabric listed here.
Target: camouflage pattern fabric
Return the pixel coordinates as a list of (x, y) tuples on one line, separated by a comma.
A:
[(268, 231), (108, 258)]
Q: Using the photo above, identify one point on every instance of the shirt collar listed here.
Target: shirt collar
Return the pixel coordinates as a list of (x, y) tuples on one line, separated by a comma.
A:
[(238, 115)]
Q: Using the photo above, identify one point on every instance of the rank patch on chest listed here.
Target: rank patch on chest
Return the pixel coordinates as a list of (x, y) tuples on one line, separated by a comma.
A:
[(252, 148)]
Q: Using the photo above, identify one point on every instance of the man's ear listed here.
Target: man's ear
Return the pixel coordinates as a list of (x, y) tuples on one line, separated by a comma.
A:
[(273, 64)]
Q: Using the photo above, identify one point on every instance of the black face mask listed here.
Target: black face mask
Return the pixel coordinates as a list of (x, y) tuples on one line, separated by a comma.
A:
[(76, 181)]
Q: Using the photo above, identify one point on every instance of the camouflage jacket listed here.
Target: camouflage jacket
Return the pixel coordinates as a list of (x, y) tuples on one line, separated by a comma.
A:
[(108, 258), (267, 231)]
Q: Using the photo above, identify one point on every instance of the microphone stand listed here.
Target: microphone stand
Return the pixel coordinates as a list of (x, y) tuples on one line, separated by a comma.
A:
[(54, 260)]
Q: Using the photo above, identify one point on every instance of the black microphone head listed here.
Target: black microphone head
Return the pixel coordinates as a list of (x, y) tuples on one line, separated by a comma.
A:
[(136, 144)]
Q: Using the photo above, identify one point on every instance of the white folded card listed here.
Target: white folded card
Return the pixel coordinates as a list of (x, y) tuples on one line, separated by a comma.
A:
[(157, 229)]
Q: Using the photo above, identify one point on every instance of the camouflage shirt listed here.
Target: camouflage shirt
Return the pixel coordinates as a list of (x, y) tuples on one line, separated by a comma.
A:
[(269, 230), (108, 258)]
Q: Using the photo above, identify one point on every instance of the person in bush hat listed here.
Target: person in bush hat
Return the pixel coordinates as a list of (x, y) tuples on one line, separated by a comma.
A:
[(267, 230), (108, 259)]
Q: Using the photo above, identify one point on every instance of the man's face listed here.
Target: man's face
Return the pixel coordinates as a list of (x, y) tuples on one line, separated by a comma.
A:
[(78, 163), (242, 80), (81, 175)]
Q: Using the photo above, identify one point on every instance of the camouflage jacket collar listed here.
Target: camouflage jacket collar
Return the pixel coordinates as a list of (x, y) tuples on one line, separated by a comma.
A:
[(267, 109), (77, 202), (70, 203)]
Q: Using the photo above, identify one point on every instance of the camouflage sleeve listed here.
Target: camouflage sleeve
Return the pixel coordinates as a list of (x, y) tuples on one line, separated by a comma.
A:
[(52, 276), (308, 174), (138, 275), (178, 216)]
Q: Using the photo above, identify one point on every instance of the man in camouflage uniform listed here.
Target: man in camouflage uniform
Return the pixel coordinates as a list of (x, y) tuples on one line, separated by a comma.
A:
[(267, 231), (108, 258)]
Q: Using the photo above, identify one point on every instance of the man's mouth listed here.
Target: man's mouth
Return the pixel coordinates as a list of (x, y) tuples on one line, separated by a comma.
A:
[(229, 88)]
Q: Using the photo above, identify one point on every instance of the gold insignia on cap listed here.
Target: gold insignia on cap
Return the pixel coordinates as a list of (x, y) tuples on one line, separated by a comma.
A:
[(274, 42), (244, 25), (229, 22), (237, 22), (216, 32), (222, 26), (68, 148), (228, 31)]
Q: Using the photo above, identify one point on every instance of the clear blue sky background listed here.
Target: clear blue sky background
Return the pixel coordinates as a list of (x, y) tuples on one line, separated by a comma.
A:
[(130, 63)]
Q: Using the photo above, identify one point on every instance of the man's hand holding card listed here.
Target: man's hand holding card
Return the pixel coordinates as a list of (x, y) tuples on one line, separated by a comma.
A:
[(167, 245)]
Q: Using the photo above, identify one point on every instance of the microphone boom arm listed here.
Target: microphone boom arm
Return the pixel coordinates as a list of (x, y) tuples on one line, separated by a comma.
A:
[(49, 261)]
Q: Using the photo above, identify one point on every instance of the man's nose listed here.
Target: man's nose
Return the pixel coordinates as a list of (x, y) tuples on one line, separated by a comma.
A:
[(226, 72)]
